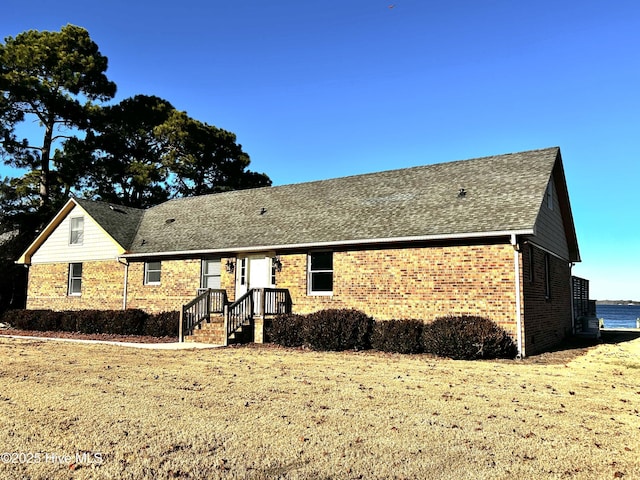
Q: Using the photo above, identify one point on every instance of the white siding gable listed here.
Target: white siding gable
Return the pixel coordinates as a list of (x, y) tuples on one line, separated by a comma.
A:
[(96, 243)]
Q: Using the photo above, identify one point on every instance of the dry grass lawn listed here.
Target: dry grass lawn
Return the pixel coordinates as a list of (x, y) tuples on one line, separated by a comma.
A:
[(267, 412)]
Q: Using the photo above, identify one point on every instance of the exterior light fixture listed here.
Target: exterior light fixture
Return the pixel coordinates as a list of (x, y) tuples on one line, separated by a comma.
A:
[(230, 266), (277, 264)]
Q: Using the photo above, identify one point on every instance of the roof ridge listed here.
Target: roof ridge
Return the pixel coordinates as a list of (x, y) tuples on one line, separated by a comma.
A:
[(357, 175), (109, 204)]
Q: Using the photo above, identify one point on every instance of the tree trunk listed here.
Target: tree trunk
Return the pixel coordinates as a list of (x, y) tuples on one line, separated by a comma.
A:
[(45, 160)]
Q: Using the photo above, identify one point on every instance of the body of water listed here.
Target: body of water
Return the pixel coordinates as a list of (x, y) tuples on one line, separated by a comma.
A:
[(618, 316)]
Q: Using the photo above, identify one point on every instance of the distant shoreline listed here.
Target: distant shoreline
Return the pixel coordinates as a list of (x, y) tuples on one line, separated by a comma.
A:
[(618, 302)]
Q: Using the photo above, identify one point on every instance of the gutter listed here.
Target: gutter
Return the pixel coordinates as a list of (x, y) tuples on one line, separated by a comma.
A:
[(516, 270), (418, 238)]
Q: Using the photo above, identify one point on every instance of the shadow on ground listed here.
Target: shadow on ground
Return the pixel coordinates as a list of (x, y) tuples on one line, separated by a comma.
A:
[(574, 347), (618, 336)]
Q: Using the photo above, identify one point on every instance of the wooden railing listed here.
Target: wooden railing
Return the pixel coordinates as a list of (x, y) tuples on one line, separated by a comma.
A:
[(200, 309), (276, 301), (582, 305), (240, 312), (256, 302)]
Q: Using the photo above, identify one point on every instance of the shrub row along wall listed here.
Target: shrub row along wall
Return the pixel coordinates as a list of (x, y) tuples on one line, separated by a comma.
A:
[(118, 322), (459, 337)]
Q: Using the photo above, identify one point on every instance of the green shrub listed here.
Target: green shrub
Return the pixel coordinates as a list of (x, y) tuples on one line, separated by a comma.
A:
[(338, 329), (287, 330), (467, 337), (398, 336)]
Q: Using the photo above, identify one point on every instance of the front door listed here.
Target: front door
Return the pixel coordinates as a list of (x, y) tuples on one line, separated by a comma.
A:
[(253, 271)]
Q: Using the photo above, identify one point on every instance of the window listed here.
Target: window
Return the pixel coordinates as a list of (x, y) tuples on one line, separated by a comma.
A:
[(274, 269), (320, 273), (75, 279), (210, 273), (243, 271), (76, 234), (547, 276), (152, 273)]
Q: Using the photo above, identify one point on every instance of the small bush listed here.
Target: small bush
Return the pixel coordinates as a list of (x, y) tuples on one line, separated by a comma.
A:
[(398, 336), (467, 337), (338, 329), (287, 330)]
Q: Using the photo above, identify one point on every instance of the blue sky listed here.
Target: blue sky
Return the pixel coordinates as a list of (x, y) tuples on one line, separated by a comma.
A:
[(315, 90)]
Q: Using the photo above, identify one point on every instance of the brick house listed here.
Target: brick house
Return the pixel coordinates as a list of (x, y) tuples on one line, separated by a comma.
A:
[(490, 236)]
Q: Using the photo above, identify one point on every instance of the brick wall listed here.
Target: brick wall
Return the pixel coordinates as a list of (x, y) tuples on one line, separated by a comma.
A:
[(179, 283), (228, 279), (102, 286), (421, 283), (547, 320)]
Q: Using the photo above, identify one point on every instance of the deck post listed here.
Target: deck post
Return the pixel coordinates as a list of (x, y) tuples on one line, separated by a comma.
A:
[(180, 332), (225, 317)]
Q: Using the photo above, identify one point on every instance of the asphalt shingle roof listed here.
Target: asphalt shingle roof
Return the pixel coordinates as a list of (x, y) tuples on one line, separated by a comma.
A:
[(119, 222), (503, 194)]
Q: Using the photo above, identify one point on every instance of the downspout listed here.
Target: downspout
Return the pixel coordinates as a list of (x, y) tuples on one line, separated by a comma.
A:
[(516, 270), (126, 281), (26, 292)]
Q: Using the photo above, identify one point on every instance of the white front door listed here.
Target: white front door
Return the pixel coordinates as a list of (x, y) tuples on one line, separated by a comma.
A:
[(253, 271)]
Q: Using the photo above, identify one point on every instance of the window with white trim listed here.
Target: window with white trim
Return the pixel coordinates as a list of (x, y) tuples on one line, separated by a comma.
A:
[(152, 273), (76, 231), (210, 273), (320, 273), (74, 286)]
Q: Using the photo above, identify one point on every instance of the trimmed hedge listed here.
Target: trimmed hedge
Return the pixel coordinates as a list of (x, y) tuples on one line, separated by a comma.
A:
[(117, 322), (164, 324), (398, 336), (459, 337), (287, 330), (332, 329), (338, 329), (467, 337)]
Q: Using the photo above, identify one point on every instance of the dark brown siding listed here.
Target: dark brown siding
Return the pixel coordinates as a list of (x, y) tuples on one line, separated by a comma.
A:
[(547, 320)]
